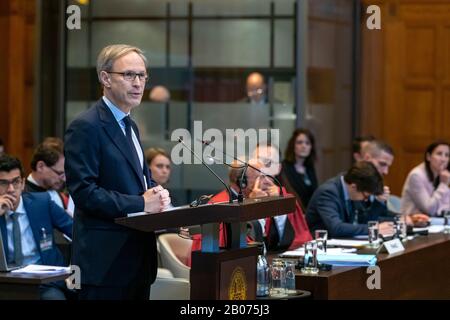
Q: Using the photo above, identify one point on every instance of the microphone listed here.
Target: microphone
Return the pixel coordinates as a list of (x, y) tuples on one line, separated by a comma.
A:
[(230, 194), (242, 181), (275, 180)]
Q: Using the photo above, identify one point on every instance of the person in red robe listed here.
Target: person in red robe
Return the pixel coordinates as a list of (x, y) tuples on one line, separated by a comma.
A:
[(295, 232)]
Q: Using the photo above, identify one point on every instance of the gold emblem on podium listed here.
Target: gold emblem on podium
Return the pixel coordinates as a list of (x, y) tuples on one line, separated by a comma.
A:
[(238, 285)]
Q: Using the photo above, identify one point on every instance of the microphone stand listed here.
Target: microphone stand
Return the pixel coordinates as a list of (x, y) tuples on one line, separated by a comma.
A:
[(230, 194), (247, 165), (241, 180)]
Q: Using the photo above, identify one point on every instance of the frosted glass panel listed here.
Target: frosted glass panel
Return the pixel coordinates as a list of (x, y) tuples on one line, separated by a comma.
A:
[(179, 7), (73, 109), (178, 115), (149, 36), (284, 121), (231, 43), (231, 115), (284, 7), (149, 118), (77, 47), (121, 8), (341, 10), (191, 174), (231, 7), (284, 43), (179, 43)]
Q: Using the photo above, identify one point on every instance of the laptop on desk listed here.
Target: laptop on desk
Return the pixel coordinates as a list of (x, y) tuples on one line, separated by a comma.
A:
[(4, 267)]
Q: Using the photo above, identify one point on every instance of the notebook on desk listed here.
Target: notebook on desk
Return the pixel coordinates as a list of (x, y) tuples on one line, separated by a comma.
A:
[(4, 267)]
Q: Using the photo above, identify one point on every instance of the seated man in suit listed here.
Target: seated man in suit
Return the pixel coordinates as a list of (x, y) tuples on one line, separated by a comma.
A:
[(27, 221), (332, 204), (47, 175), (381, 155), (47, 172)]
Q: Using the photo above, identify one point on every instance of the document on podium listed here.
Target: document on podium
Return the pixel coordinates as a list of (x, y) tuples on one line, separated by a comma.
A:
[(41, 269), (142, 213)]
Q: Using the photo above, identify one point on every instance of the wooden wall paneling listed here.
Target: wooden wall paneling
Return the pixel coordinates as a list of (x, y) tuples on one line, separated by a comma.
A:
[(4, 61), (393, 115), (17, 24), (445, 69), (16, 79), (412, 58)]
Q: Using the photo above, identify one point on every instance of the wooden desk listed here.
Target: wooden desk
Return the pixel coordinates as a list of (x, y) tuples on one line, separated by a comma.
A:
[(15, 286), (422, 271)]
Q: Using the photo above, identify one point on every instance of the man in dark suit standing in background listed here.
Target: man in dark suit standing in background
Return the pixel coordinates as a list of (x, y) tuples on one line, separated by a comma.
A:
[(108, 178)]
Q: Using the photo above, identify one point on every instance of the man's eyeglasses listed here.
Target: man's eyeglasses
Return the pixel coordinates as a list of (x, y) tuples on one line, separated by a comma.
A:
[(16, 183), (59, 173), (131, 76)]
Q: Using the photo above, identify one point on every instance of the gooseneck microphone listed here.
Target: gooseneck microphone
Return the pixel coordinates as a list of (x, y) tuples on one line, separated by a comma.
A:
[(247, 165), (230, 194)]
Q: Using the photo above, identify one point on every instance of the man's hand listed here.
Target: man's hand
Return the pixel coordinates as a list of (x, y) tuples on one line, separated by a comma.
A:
[(165, 198), (419, 219), (6, 203), (408, 219), (385, 196), (444, 177), (269, 187), (257, 192), (156, 199), (386, 228)]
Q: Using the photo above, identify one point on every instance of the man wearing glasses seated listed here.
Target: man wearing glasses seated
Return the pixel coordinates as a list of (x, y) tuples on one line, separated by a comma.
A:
[(27, 221), (47, 173), (332, 204)]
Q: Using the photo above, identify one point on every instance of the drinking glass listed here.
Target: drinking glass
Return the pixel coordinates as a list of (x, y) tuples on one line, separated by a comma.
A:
[(278, 278), (321, 237), (310, 261), (373, 233)]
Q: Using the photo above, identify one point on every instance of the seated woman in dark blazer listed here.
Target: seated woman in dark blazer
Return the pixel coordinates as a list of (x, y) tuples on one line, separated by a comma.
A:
[(298, 173)]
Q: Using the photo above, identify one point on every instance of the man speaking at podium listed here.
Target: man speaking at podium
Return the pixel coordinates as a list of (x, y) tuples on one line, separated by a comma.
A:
[(108, 178)]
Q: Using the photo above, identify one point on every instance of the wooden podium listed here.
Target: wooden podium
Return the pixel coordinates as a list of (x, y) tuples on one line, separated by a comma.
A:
[(218, 274)]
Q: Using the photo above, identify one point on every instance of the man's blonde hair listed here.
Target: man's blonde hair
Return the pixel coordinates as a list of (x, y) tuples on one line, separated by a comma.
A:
[(111, 53)]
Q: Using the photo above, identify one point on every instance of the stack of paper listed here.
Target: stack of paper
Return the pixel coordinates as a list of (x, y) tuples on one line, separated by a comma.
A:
[(347, 243), (436, 221), (353, 260), (333, 251), (40, 269), (431, 229)]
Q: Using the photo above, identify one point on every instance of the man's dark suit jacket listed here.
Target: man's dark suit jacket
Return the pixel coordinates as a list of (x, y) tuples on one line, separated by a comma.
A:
[(42, 212), (329, 210), (106, 184), (63, 244)]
